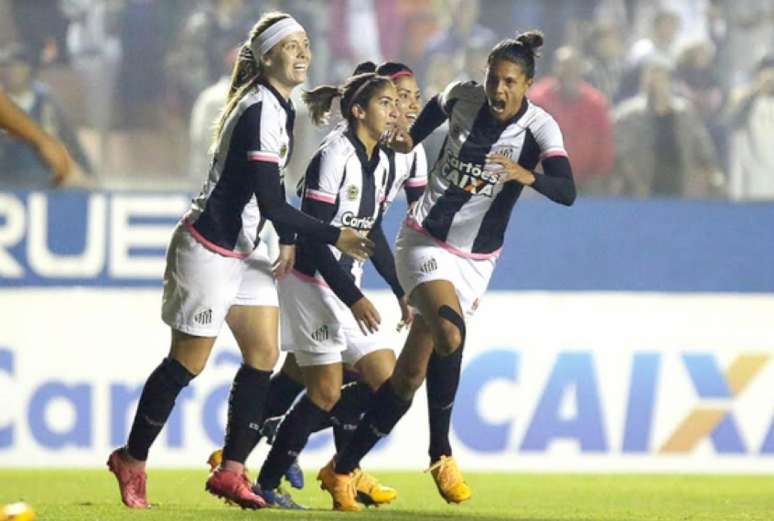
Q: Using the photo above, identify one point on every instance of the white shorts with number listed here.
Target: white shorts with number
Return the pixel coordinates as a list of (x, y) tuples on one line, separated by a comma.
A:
[(419, 258), (200, 285), (317, 327)]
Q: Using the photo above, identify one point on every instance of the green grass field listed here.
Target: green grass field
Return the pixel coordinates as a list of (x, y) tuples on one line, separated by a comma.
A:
[(63, 495)]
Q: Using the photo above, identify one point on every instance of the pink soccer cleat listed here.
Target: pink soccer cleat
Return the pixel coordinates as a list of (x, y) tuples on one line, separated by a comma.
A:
[(131, 479), (233, 487)]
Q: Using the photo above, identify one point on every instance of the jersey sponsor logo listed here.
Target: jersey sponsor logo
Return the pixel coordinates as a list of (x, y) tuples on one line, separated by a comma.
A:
[(320, 334), (204, 317), (352, 192), (350, 220), (469, 176)]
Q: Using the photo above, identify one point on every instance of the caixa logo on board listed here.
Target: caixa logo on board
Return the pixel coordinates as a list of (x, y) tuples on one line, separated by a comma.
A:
[(711, 415), (85, 238), (574, 375)]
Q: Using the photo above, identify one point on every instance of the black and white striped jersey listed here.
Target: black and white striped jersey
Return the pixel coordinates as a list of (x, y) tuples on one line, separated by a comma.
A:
[(463, 206), (407, 172), (343, 187), (225, 215)]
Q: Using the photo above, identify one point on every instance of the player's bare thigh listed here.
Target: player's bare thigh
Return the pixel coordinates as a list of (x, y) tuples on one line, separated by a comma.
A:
[(256, 330)]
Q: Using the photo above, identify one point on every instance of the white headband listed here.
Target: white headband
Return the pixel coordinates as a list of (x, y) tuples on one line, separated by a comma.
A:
[(264, 42)]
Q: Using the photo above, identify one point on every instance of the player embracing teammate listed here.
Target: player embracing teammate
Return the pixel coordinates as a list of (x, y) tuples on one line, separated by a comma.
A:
[(448, 245), (445, 254)]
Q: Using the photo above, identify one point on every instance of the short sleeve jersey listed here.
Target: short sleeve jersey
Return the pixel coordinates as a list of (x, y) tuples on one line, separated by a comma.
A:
[(341, 174), (463, 206), (225, 216)]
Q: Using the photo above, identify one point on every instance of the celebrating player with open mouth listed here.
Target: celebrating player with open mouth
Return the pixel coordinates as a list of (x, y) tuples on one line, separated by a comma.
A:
[(448, 245), (215, 270)]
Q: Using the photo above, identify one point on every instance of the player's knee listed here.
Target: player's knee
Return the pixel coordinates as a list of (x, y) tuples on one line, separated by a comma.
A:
[(407, 380), (325, 395), (451, 331), (261, 358), (193, 366), (450, 339)]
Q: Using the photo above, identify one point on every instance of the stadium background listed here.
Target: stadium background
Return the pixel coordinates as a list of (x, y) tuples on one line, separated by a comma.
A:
[(625, 333)]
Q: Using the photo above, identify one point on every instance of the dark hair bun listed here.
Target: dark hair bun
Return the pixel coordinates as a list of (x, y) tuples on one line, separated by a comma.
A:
[(364, 67), (390, 68), (531, 39)]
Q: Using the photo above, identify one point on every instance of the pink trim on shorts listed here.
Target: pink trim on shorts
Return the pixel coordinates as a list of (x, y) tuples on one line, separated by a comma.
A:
[(320, 196), (303, 277), (413, 224), (553, 153), (211, 245), (263, 156), (414, 182)]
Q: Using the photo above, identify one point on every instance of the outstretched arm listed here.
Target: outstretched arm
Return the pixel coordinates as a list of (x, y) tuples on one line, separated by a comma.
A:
[(51, 151)]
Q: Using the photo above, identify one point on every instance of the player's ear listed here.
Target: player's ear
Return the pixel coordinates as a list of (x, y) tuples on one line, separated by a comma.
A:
[(359, 112), (266, 60)]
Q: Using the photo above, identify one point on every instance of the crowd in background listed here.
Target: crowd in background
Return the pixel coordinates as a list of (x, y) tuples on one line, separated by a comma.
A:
[(655, 99)]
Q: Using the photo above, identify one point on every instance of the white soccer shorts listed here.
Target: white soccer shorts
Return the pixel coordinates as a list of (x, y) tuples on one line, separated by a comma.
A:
[(200, 285), (419, 258), (318, 327)]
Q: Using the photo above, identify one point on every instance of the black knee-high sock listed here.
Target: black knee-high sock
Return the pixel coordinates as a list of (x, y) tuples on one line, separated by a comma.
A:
[(156, 403), (386, 409), (245, 411), (283, 391), (443, 377), (345, 416), (291, 438)]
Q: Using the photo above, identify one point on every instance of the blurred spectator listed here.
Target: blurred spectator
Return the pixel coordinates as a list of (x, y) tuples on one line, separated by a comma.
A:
[(660, 44), (42, 27), (696, 79), (474, 61), (204, 114), (751, 174), (21, 164), (461, 30), (662, 146), (582, 112), (362, 30), (420, 23), (743, 33), (95, 52), (209, 32), (19, 125), (141, 74), (605, 51)]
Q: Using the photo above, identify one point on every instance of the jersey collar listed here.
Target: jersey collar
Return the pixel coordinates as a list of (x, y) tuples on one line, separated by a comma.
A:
[(287, 105), (360, 150)]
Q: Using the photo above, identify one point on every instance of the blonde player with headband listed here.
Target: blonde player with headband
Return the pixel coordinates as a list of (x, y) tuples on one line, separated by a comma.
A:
[(218, 272)]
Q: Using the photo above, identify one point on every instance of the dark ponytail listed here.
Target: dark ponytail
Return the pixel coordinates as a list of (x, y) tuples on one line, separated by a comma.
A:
[(521, 50), (319, 101), (357, 90)]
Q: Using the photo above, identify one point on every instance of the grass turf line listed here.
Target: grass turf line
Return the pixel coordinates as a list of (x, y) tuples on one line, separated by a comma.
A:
[(70, 495)]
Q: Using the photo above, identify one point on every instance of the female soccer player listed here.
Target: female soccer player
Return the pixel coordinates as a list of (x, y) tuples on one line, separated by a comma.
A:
[(447, 247), (215, 271), (332, 322), (406, 172)]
